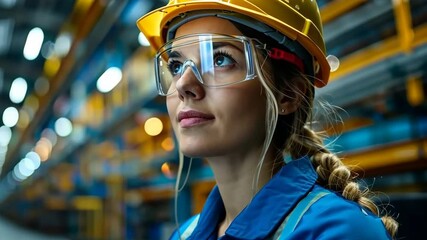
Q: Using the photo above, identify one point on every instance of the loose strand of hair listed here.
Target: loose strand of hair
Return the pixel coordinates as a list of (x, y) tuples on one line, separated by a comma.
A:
[(271, 116), (177, 190)]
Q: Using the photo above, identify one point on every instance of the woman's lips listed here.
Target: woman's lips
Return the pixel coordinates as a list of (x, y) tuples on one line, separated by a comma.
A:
[(192, 118)]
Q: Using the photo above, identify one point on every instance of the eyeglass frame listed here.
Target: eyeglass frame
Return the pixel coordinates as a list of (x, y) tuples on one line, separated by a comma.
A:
[(249, 48)]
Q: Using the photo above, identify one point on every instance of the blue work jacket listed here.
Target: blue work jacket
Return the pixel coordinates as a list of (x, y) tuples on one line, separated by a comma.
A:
[(330, 217)]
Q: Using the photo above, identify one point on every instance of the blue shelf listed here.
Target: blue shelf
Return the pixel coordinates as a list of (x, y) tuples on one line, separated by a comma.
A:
[(397, 130)]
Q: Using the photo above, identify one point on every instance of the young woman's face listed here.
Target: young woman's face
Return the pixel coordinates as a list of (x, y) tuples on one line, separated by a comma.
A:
[(212, 122)]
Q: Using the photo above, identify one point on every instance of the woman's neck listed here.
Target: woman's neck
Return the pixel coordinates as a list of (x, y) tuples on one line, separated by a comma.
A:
[(236, 177)]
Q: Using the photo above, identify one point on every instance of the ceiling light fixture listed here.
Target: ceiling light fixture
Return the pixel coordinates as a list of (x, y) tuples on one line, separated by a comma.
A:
[(18, 90), (10, 117), (33, 43), (109, 79)]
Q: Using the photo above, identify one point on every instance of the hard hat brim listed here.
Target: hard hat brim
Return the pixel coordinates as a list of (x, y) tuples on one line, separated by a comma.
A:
[(154, 26)]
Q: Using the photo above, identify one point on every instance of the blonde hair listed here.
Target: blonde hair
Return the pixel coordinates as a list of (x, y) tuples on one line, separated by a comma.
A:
[(293, 135)]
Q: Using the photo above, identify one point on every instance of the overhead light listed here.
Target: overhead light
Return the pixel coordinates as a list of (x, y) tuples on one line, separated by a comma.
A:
[(33, 44), (63, 44), (3, 152), (168, 144), (7, 3), (43, 148), (5, 135), (18, 90), (35, 159), (47, 49), (10, 117), (23, 169), (63, 127), (17, 175), (109, 79)]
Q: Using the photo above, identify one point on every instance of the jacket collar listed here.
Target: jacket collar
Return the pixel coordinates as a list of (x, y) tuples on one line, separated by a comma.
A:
[(267, 209)]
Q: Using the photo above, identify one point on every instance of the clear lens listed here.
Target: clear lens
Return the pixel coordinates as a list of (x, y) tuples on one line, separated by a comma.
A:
[(215, 61)]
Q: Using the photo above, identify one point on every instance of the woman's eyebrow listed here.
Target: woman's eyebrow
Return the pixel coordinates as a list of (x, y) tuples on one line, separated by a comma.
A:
[(223, 44), (174, 54), (215, 45)]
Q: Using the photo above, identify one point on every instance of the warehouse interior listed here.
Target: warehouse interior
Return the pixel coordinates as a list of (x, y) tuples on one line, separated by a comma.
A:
[(81, 160)]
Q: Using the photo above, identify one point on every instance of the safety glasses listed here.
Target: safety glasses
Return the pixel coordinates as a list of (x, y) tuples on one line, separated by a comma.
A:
[(215, 60)]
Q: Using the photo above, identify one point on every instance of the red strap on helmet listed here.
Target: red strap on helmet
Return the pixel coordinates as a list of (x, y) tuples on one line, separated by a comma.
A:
[(280, 54)]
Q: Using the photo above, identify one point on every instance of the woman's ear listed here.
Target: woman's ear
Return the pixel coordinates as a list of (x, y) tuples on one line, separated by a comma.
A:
[(291, 99)]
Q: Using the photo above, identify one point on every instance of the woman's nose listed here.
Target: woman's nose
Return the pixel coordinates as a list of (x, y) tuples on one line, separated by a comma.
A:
[(188, 86)]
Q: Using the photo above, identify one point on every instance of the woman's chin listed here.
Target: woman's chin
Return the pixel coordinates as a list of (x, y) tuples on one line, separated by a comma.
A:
[(196, 152), (191, 153)]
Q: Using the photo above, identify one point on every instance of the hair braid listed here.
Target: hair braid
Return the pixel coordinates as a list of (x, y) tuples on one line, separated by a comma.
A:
[(294, 136), (334, 175)]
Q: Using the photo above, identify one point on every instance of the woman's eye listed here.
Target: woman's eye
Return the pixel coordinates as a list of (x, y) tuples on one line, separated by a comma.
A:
[(223, 60), (175, 67)]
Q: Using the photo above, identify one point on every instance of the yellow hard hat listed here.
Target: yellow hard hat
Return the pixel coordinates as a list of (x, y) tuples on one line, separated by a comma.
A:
[(298, 20)]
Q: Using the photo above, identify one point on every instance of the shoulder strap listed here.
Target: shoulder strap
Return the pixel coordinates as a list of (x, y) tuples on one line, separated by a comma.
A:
[(293, 218)]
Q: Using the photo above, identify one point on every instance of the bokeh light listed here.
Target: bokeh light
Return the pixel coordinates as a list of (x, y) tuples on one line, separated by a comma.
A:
[(153, 126), (10, 117), (63, 127)]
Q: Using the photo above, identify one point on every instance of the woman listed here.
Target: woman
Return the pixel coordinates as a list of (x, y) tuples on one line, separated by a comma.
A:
[(239, 79)]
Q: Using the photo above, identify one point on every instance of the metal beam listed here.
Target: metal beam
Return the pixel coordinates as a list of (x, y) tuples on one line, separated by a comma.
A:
[(378, 52), (402, 12), (355, 19), (382, 157), (57, 81), (374, 78), (98, 21), (337, 8)]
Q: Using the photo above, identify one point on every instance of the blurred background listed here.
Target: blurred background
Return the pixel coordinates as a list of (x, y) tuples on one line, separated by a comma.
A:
[(86, 148)]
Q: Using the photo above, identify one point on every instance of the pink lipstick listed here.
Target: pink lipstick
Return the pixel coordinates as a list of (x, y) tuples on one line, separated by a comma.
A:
[(193, 118)]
